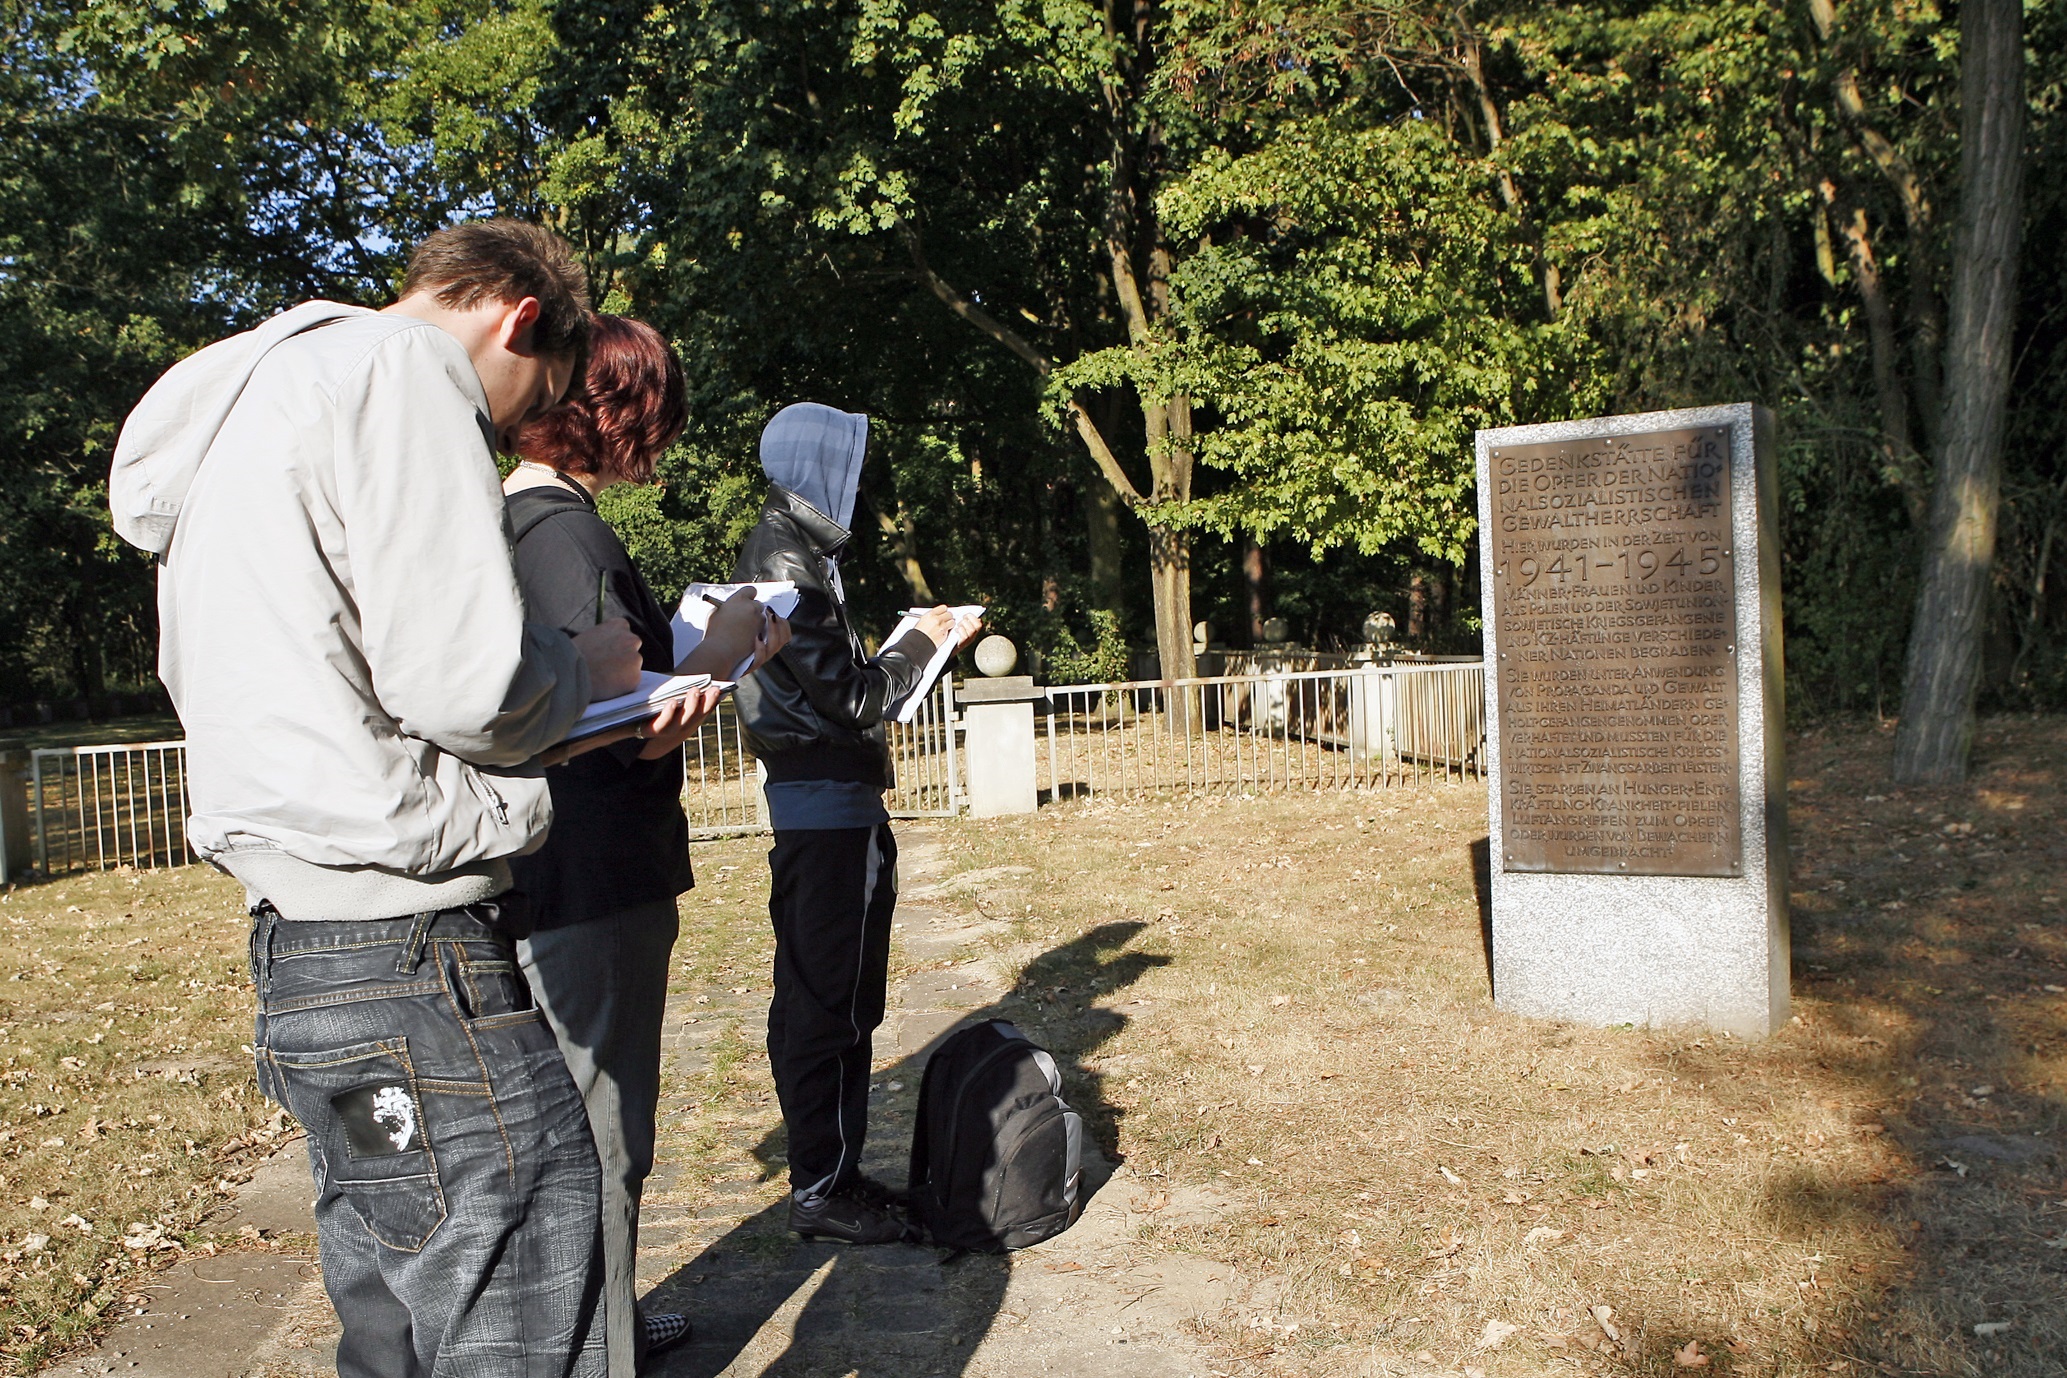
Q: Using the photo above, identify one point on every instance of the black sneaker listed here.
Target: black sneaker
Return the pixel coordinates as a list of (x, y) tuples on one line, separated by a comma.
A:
[(849, 1217)]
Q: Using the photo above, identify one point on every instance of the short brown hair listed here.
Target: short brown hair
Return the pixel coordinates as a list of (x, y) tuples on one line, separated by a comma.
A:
[(507, 261), (627, 407)]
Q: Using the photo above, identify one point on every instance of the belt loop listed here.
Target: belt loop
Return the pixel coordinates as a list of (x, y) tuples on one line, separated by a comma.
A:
[(412, 947)]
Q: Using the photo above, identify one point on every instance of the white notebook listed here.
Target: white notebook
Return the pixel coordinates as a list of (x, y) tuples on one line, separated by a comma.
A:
[(654, 691), (693, 617), (966, 617)]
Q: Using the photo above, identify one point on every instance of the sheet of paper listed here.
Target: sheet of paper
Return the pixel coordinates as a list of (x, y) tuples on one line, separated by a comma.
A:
[(655, 690), (691, 619), (966, 618)]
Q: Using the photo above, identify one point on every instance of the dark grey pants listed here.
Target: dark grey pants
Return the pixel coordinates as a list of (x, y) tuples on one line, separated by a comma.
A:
[(603, 986), (456, 1184)]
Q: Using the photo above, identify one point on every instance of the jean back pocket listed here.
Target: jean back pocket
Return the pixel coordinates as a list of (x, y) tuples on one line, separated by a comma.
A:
[(365, 1118)]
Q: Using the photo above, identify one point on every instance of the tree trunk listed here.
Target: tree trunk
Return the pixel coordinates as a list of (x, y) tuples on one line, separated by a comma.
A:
[(1944, 665), (1102, 520), (1169, 574), (1254, 572), (1897, 449)]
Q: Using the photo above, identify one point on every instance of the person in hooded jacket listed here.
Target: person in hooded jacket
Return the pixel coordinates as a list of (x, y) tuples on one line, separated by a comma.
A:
[(814, 717)]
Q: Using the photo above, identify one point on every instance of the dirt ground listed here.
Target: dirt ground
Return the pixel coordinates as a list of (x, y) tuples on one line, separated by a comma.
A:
[(1334, 1156)]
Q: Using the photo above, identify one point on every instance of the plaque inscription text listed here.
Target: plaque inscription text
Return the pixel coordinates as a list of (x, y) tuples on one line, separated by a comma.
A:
[(1614, 604)]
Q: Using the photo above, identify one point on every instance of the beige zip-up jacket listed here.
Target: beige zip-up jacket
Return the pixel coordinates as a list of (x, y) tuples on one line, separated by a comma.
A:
[(339, 618)]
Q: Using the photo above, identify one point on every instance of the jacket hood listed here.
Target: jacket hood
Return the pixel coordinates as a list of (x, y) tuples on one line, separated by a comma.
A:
[(815, 452), (167, 435)]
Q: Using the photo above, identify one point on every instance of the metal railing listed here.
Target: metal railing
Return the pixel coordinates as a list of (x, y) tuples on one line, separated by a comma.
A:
[(1368, 727), (103, 806)]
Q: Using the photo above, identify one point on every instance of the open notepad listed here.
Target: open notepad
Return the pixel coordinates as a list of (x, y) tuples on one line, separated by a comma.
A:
[(966, 618), (654, 692), (699, 601)]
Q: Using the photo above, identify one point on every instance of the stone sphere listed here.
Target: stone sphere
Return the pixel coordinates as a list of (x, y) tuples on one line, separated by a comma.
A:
[(996, 655), (1276, 629)]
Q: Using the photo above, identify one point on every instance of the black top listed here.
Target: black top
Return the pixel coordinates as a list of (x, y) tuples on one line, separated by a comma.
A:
[(619, 837), (815, 712)]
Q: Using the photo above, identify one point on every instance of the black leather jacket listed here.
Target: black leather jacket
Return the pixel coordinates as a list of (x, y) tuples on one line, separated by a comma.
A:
[(815, 712)]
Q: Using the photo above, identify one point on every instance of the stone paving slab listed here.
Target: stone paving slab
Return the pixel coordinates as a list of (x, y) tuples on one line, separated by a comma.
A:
[(215, 1317)]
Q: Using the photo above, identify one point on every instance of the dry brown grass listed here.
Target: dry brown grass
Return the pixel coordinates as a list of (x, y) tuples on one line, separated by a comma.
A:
[(1297, 1011), (127, 1102)]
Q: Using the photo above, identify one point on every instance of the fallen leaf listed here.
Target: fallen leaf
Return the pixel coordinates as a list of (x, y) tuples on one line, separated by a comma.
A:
[(1689, 1355), (1448, 1176), (1496, 1333), (1604, 1317), (1542, 1234)]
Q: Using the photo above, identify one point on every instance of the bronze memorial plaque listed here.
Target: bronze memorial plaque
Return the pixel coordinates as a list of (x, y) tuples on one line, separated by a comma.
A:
[(1615, 619)]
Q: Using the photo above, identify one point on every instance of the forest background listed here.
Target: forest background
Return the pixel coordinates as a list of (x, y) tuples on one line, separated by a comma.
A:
[(1161, 309)]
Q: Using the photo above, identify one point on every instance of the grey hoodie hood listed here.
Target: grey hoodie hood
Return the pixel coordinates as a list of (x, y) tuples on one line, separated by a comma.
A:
[(815, 452), (165, 438)]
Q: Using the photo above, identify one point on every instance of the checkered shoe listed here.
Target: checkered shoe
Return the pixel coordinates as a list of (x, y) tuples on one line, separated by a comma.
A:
[(664, 1331)]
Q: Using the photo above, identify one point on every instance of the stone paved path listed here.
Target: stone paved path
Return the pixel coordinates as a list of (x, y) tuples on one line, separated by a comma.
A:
[(1093, 1302), (1096, 1302)]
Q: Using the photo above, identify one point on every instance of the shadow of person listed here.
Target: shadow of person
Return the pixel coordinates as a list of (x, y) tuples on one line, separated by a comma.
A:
[(901, 1309)]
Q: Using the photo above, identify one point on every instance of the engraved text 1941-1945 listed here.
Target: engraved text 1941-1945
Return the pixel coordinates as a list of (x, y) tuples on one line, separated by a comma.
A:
[(1616, 628)]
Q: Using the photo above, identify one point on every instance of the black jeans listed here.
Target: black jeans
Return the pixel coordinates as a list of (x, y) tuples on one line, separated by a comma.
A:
[(831, 895), (456, 1183)]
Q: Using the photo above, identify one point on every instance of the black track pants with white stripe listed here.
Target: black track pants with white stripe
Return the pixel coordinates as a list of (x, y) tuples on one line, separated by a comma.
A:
[(831, 895)]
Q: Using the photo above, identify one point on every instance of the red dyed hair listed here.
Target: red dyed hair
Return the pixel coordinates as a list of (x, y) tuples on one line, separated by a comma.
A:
[(627, 408)]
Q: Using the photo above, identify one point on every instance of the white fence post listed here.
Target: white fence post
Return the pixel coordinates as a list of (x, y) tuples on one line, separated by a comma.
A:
[(15, 849)]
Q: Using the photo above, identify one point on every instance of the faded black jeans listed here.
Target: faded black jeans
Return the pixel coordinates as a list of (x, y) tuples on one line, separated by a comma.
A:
[(456, 1182), (831, 895)]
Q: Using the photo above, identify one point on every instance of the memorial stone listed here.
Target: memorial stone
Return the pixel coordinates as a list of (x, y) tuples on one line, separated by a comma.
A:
[(1638, 834)]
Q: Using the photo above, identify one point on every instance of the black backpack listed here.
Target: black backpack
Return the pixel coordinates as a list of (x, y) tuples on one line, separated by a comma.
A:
[(997, 1156)]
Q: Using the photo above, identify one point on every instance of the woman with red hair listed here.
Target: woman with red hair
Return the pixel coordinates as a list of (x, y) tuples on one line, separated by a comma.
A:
[(602, 889)]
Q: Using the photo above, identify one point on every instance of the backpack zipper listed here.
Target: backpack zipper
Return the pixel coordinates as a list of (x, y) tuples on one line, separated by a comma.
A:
[(955, 1110)]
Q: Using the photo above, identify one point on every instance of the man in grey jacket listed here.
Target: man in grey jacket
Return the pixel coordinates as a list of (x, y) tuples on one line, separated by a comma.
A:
[(343, 637)]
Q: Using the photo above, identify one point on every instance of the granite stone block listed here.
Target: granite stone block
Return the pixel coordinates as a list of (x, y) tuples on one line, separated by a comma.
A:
[(1703, 950)]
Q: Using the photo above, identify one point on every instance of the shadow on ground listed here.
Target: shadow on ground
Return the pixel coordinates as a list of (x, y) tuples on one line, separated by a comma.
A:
[(1929, 966), (899, 1309)]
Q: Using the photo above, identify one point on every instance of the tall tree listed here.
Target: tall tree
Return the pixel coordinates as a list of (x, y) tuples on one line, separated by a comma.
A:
[(1945, 638)]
